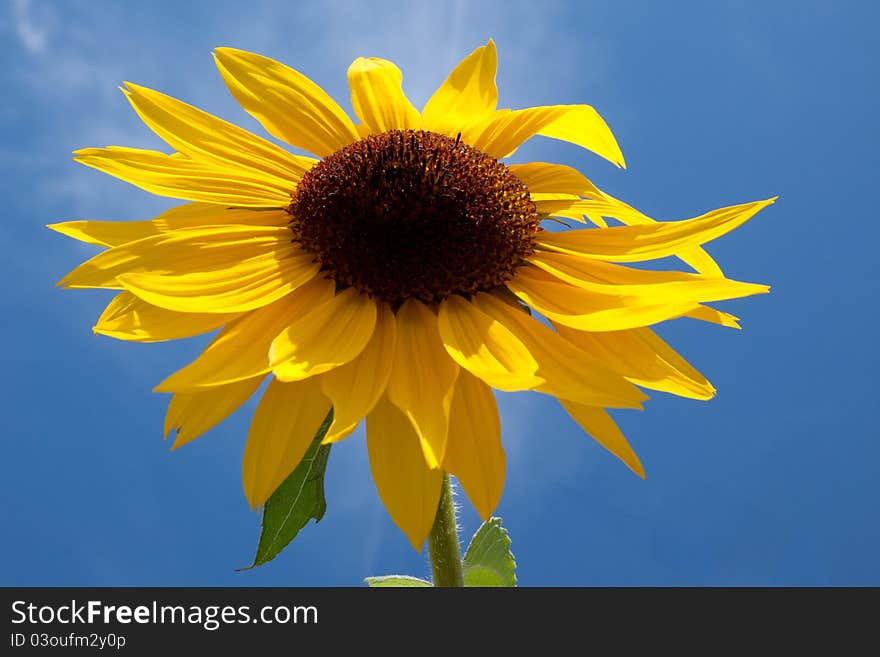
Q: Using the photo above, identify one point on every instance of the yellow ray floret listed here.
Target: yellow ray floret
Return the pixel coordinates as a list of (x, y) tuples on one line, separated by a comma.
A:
[(202, 136), (642, 357), (473, 452), (422, 378), (604, 431), (283, 427), (568, 372), (648, 242), (409, 489), (287, 104), (595, 296), (192, 414), (468, 94), (485, 347), (184, 178), (547, 178), (129, 318), (188, 215), (581, 125), (378, 98), (241, 350), (355, 388), (327, 336)]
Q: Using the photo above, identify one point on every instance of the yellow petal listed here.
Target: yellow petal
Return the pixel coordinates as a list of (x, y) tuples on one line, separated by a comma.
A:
[(246, 286), (192, 414), (650, 241), (284, 425), (543, 177), (605, 431), (569, 207), (582, 126), (105, 233), (569, 372), (354, 388), (200, 253), (130, 318), (327, 336), (467, 94), (601, 309), (503, 133), (422, 378), (200, 135), (241, 350), (377, 96), (181, 177), (409, 489), (644, 359), (698, 258), (485, 347), (608, 206), (179, 252), (709, 314), (287, 104), (695, 256), (634, 285), (473, 452), (188, 215)]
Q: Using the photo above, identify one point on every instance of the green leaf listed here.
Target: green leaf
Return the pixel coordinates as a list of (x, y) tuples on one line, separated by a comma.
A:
[(396, 581), (296, 501), (488, 560)]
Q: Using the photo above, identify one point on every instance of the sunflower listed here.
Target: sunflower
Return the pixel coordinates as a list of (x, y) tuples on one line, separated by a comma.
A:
[(397, 277)]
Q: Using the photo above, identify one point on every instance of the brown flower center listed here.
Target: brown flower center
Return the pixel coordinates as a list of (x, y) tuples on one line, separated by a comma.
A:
[(409, 214)]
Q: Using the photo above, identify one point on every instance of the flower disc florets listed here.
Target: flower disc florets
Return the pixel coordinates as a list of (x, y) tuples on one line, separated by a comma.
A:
[(409, 214)]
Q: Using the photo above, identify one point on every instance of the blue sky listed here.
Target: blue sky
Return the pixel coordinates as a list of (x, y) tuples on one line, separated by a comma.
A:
[(771, 483)]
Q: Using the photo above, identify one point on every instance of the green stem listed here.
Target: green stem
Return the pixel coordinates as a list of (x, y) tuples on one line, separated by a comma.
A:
[(443, 546)]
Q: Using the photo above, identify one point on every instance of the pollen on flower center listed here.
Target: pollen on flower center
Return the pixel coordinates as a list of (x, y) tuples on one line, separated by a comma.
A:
[(414, 215)]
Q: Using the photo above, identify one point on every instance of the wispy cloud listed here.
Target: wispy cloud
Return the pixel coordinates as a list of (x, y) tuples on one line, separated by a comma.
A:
[(34, 36)]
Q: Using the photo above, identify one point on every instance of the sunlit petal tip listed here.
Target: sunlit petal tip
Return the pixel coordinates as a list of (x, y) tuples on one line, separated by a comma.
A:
[(409, 489), (130, 89), (338, 436), (604, 430), (468, 93), (377, 95)]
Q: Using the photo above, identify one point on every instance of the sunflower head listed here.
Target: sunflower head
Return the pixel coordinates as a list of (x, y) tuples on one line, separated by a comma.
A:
[(385, 277), (412, 214)]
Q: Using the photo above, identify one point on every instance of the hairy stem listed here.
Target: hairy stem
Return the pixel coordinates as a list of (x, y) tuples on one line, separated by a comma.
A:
[(443, 546)]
